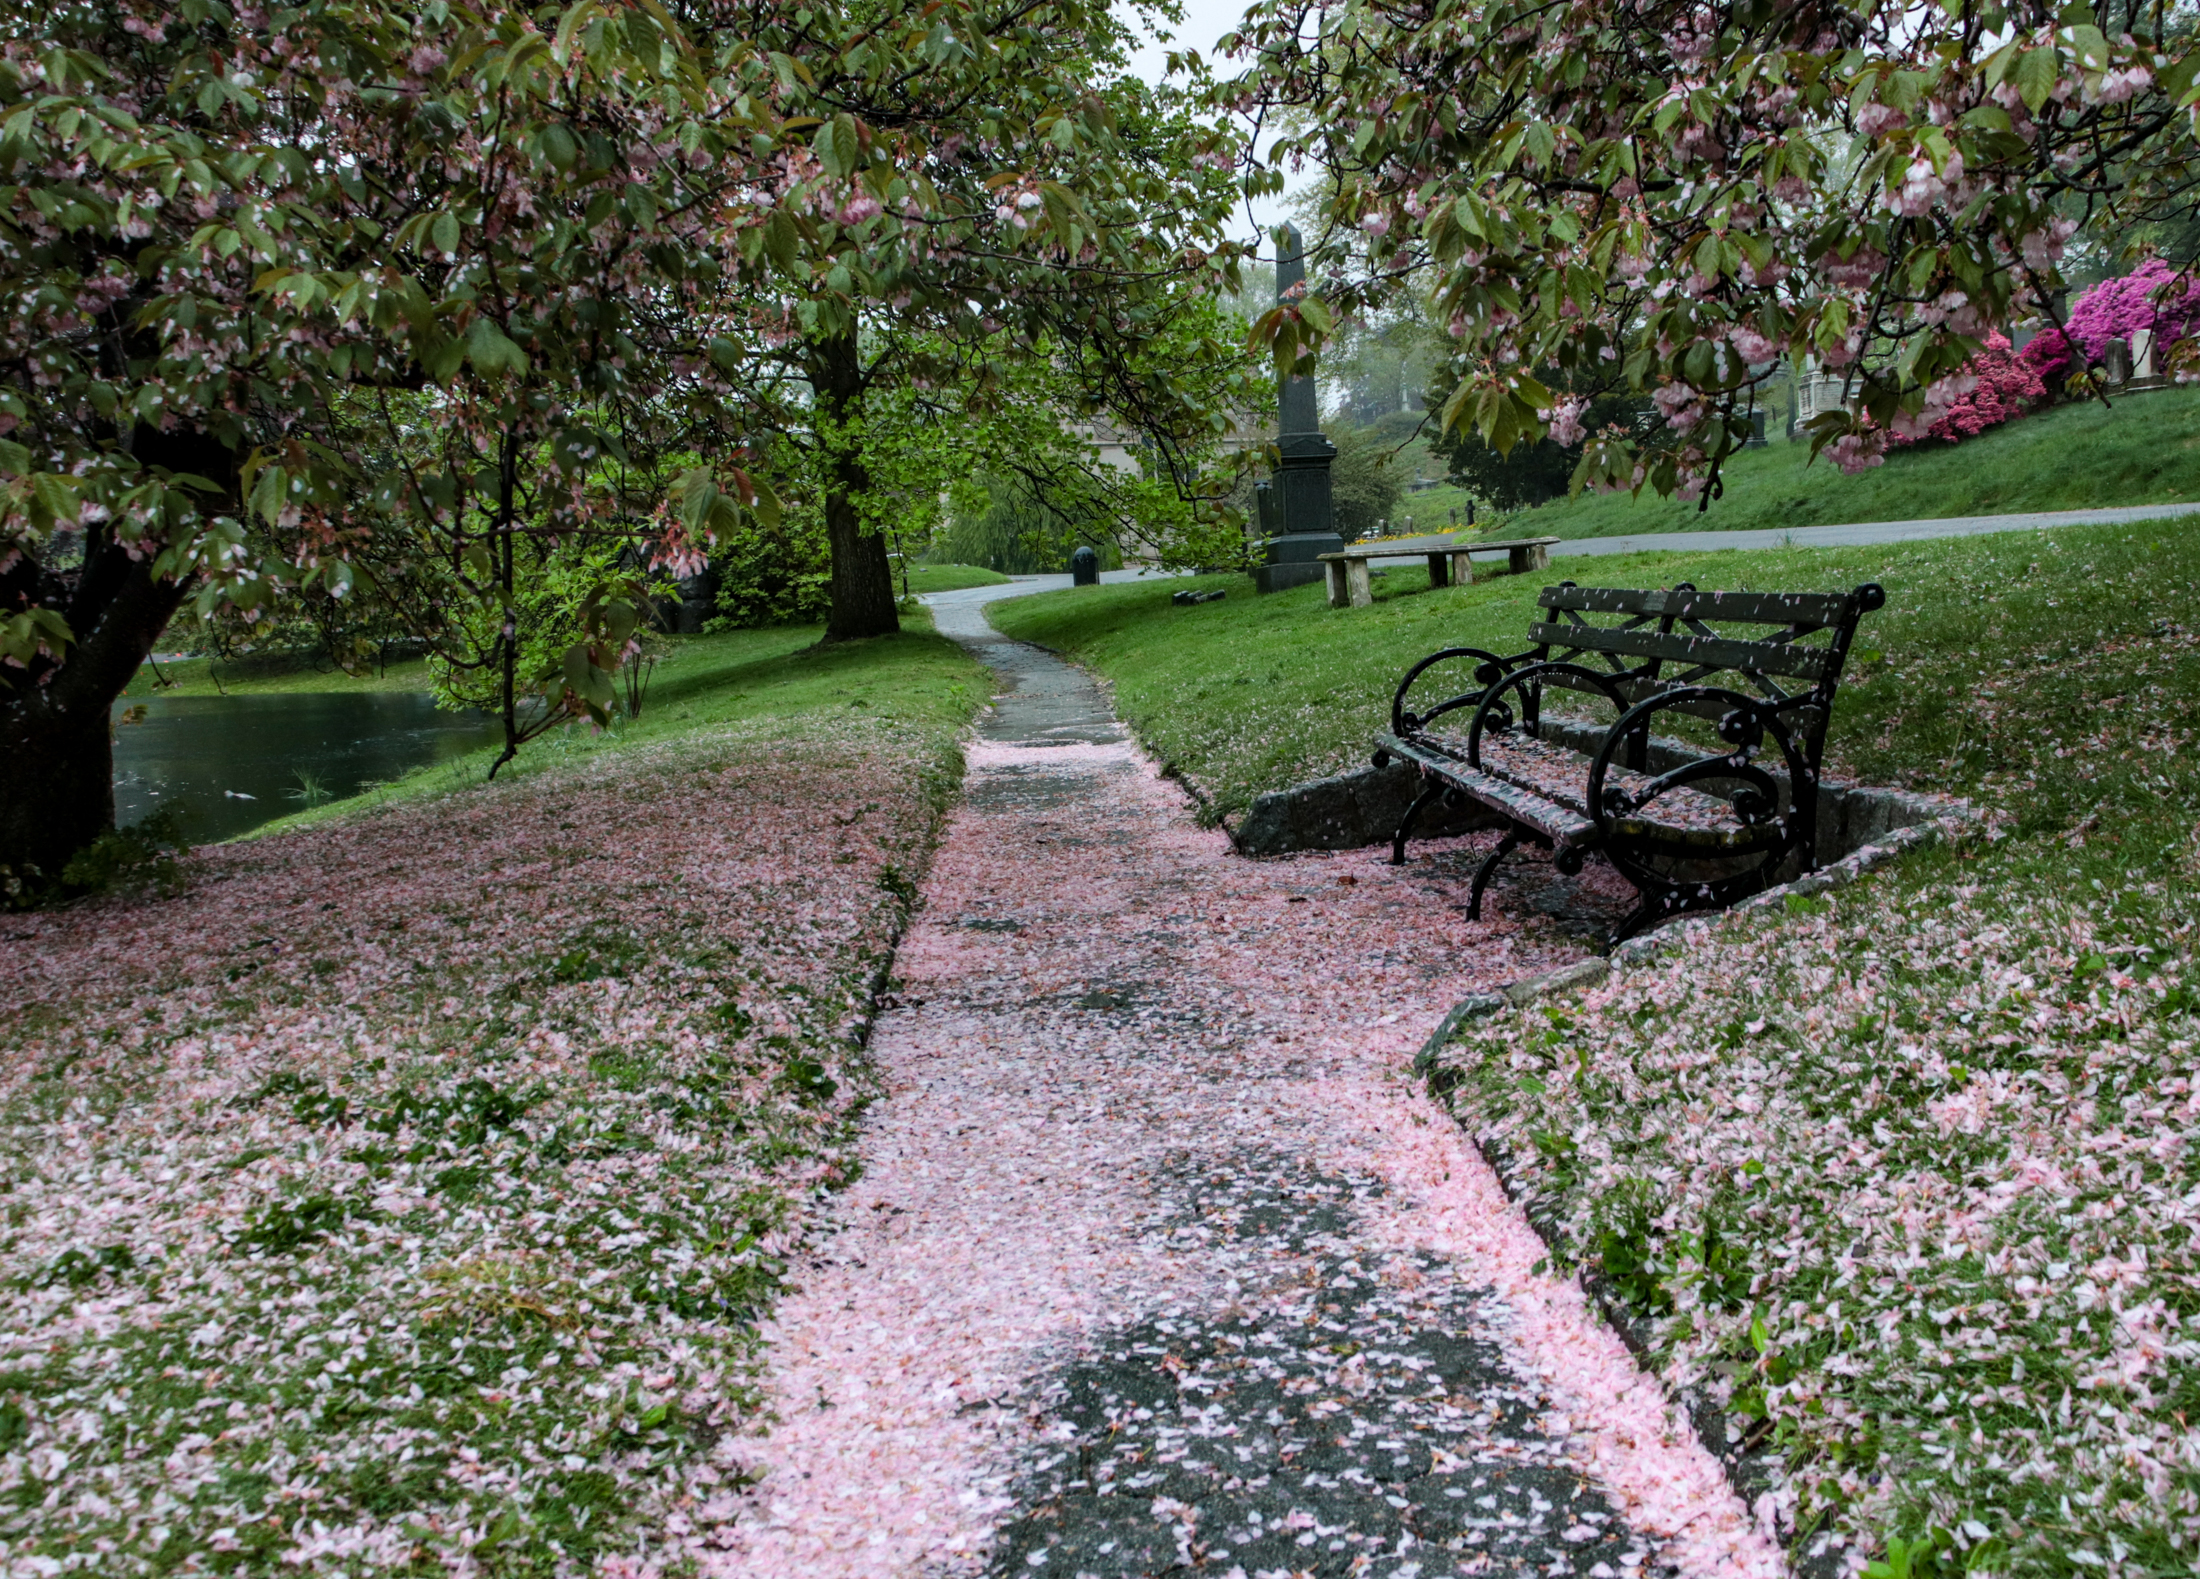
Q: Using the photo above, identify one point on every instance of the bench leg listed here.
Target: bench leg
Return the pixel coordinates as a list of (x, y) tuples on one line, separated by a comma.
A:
[(1652, 906), (1439, 570), (1430, 793), (1533, 557), (1338, 597), (1363, 589), (1512, 841)]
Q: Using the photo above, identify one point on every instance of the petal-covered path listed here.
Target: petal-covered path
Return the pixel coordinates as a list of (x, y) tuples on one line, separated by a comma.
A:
[(1159, 1263)]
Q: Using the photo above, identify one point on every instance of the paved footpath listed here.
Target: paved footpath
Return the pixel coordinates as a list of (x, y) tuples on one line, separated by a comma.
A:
[(1159, 1263), (1858, 533), (1851, 535)]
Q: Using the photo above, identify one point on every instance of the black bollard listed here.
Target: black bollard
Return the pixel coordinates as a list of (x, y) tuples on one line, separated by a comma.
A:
[(1084, 567)]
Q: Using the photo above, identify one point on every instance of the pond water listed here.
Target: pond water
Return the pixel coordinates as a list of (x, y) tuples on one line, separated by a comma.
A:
[(229, 763)]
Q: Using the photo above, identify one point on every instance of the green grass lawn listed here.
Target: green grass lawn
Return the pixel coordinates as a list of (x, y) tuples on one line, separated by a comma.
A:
[(1899, 1174), (267, 674), (951, 578), (1257, 693), (774, 678), (2145, 450)]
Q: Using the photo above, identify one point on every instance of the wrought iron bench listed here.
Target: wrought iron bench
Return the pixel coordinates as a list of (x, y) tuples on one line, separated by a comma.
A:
[(1694, 823)]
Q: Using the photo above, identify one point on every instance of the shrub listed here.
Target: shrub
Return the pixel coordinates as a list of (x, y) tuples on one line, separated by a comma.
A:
[(2006, 386), (2112, 310)]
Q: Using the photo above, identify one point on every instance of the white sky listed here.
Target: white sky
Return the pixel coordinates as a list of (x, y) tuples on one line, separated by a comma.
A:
[(1204, 22)]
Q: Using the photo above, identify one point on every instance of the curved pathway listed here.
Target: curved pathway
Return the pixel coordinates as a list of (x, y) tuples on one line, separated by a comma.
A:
[(1158, 1262)]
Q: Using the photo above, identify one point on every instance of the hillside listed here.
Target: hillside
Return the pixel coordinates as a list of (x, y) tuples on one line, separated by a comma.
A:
[(2143, 450)]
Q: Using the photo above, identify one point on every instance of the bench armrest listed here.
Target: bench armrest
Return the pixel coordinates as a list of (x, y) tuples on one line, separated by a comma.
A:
[(1490, 669), (1744, 726)]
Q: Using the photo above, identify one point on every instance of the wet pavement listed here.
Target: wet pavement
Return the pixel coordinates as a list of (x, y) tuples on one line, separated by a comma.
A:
[(1159, 1264)]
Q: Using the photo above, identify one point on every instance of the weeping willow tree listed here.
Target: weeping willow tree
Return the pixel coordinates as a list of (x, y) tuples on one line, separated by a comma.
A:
[(1016, 528)]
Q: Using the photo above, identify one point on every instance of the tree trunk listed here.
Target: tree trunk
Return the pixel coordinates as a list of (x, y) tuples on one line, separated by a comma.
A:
[(57, 788), (57, 775), (862, 577)]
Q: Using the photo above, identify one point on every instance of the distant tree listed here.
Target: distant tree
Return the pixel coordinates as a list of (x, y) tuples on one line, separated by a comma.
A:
[(986, 184), (1366, 481), (1532, 472)]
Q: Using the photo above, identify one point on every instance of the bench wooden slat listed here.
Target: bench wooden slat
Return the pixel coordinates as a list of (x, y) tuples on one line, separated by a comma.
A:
[(1563, 824), (1723, 652), (1805, 719), (1810, 610)]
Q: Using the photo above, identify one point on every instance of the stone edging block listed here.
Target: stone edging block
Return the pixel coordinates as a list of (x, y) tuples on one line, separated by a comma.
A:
[(1347, 812)]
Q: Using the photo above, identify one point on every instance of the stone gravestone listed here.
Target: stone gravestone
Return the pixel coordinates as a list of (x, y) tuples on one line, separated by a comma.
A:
[(2116, 364), (1300, 520), (2146, 361), (1084, 568)]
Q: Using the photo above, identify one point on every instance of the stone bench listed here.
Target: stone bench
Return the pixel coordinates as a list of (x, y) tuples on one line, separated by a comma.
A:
[(1448, 558)]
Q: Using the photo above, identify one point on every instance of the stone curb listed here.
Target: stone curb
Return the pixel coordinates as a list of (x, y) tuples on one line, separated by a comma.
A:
[(1955, 828)]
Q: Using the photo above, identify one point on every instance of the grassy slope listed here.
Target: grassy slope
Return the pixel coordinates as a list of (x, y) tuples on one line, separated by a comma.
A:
[(951, 578), (759, 676), (267, 674), (1843, 1170), (402, 1079), (1251, 693), (2144, 451)]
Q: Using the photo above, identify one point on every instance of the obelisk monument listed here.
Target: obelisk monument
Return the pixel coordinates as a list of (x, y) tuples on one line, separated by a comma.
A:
[(1300, 516)]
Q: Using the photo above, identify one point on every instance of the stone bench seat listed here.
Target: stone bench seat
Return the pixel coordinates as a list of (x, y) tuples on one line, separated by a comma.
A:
[(1449, 560)]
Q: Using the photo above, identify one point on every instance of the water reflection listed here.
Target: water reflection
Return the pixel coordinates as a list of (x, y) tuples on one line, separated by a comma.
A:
[(228, 764)]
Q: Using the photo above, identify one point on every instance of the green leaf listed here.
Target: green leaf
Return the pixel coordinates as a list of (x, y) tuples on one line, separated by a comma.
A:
[(781, 239), (839, 145), (56, 495), (558, 146), (767, 506), (2037, 72), (491, 351), (443, 233)]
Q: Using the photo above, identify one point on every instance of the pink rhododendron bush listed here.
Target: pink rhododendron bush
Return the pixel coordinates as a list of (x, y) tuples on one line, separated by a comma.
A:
[(1996, 385), (1905, 1183), (2152, 296), (404, 1194)]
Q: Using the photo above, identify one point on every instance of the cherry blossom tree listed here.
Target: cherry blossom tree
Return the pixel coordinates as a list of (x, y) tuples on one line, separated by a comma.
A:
[(224, 231), (1664, 196)]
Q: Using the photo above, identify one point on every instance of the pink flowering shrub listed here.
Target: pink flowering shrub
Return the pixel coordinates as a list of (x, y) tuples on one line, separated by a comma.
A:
[(2001, 386), (404, 1195), (2113, 310)]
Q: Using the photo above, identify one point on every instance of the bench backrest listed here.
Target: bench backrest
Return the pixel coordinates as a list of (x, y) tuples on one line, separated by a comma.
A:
[(1662, 640)]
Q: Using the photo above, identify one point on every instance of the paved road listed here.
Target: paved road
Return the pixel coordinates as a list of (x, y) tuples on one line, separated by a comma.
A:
[(1862, 532), (1854, 534)]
